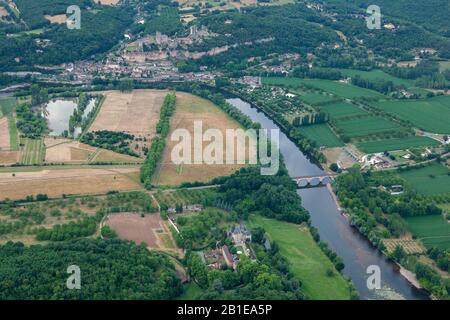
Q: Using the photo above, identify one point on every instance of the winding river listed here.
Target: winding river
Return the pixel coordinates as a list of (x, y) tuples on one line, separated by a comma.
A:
[(334, 228)]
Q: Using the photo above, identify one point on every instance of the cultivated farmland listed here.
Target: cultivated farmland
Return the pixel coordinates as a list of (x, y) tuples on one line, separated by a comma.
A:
[(366, 126), (322, 135), (57, 182), (430, 180), (33, 151), (396, 144), (342, 110), (190, 108), (429, 114), (433, 231)]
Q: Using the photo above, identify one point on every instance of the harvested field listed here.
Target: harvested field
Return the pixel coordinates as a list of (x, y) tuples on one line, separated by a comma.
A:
[(410, 246), (9, 157), (56, 182), (136, 112), (4, 134), (110, 156), (67, 151), (150, 229), (190, 108), (59, 19)]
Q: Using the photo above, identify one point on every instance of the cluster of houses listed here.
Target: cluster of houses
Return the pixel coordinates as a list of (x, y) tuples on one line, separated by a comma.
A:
[(222, 255)]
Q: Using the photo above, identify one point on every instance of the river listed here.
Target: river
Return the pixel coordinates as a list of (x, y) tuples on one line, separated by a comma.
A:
[(334, 228)]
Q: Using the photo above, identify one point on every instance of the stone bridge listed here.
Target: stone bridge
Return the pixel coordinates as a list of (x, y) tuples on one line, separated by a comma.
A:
[(318, 181)]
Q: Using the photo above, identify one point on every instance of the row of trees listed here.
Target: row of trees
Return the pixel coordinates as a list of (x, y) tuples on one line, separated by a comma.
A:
[(158, 143)]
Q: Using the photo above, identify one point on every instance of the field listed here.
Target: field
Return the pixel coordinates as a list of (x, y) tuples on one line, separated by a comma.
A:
[(150, 229), (4, 134), (57, 182), (322, 135), (33, 151), (340, 110), (190, 108), (135, 112), (365, 126), (444, 65), (429, 114), (430, 180), (337, 88), (433, 231), (396, 144), (376, 74), (59, 19), (313, 98), (307, 262), (7, 106)]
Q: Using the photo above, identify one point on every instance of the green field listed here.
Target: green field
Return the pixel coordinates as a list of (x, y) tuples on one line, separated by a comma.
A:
[(314, 98), (396, 144), (430, 180), (433, 231), (342, 110), (339, 89), (33, 151), (13, 134), (307, 262), (429, 114), (322, 135), (365, 126), (444, 65), (185, 197), (7, 106), (374, 75)]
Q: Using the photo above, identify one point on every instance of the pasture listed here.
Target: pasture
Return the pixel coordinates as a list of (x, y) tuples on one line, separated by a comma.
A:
[(306, 261), (322, 135), (430, 180), (340, 110), (396, 144), (432, 231), (57, 182), (431, 114), (190, 108), (337, 88), (366, 126)]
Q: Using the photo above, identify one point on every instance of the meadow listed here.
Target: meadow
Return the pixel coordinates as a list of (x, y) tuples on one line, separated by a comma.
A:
[(342, 110), (7, 106), (433, 231), (430, 180), (322, 135), (431, 114), (314, 98), (306, 261), (366, 126), (396, 144), (337, 88)]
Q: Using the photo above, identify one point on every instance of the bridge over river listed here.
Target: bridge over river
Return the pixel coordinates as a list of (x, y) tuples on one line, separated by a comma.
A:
[(317, 181)]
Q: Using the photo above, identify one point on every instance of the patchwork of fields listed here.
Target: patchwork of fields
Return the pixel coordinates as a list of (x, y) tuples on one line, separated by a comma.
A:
[(431, 115)]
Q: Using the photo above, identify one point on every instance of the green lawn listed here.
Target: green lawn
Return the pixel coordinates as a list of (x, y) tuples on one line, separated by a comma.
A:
[(430, 180), (396, 144), (431, 114), (342, 110), (433, 231), (307, 262), (322, 135), (366, 126), (376, 74), (339, 89)]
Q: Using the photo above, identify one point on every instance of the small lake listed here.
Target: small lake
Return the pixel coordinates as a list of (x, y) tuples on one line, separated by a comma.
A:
[(57, 113)]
